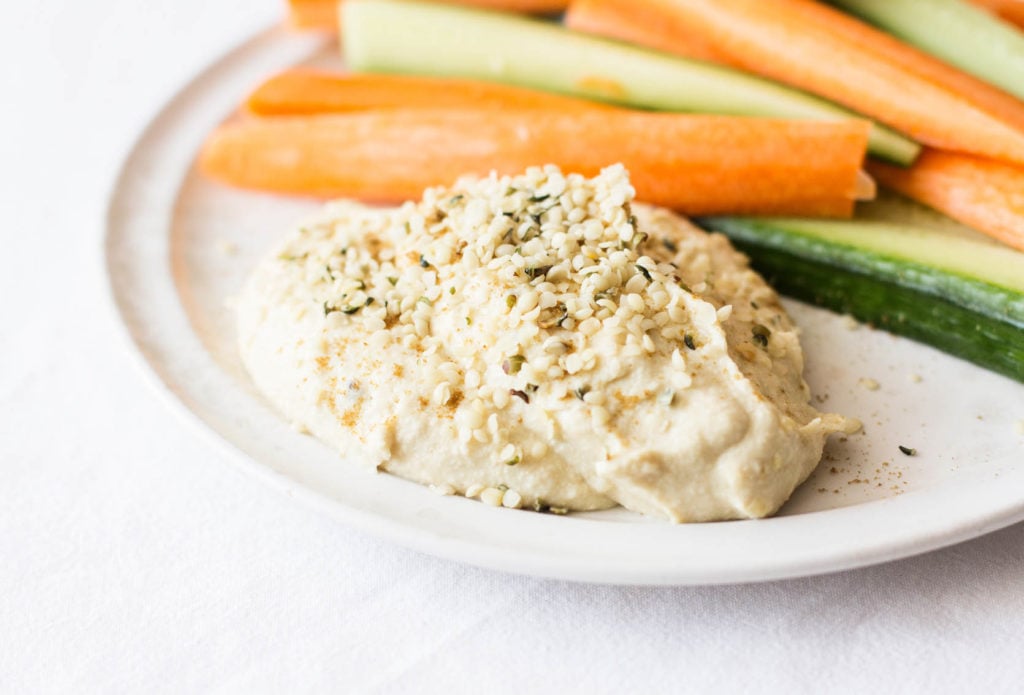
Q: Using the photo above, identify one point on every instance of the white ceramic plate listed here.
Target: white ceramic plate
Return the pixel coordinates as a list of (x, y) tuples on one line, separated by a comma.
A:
[(178, 246)]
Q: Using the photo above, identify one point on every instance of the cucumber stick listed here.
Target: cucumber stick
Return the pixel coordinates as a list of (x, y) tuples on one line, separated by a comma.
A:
[(424, 38), (959, 294), (955, 31)]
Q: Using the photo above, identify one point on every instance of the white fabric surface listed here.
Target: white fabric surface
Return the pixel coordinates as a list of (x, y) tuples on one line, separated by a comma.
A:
[(135, 559)]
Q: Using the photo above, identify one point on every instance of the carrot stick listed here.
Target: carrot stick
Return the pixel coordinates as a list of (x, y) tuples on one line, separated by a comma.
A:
[(641, 23), (1010, 10), (982, 193), (313, 14), (975, 90), (817, 48), (322, 15), (696, 164), (306, 92)]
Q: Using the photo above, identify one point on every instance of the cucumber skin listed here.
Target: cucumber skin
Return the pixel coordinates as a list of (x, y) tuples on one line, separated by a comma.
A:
[(964, 317), (425, 38)]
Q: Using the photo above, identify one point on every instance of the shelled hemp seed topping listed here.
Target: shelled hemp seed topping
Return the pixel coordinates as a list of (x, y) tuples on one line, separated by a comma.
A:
[(538, 341)]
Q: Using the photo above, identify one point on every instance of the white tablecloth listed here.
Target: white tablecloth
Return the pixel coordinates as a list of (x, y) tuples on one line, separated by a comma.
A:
[(134, 559)]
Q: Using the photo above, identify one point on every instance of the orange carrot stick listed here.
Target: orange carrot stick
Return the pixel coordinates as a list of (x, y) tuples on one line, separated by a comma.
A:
[(981, 94), (323, 14), (640, 23), (649, 23), (696, 164), (313, 14), (307, 92), (1010, 10), (982, 193), (814, 47)]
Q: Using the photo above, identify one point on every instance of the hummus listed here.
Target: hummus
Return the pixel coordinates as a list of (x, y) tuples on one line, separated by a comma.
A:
[(538, 341)]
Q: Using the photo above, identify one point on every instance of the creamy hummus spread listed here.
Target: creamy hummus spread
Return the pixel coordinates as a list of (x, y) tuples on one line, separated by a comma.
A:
[(538, 341)]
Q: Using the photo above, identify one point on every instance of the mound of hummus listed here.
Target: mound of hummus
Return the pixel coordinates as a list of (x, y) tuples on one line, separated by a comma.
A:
[(538, 341)]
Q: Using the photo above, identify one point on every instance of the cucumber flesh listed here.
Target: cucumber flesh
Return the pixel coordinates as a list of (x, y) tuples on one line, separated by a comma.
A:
[(955, 31), (894, 208), (915, 246), (960, 295), (430, 39)]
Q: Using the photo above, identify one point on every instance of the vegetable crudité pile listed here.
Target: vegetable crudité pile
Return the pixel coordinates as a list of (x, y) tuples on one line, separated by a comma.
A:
[(768, 121)]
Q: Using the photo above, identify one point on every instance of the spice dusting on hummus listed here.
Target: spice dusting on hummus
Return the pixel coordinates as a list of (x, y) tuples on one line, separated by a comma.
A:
[(538, 341)]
